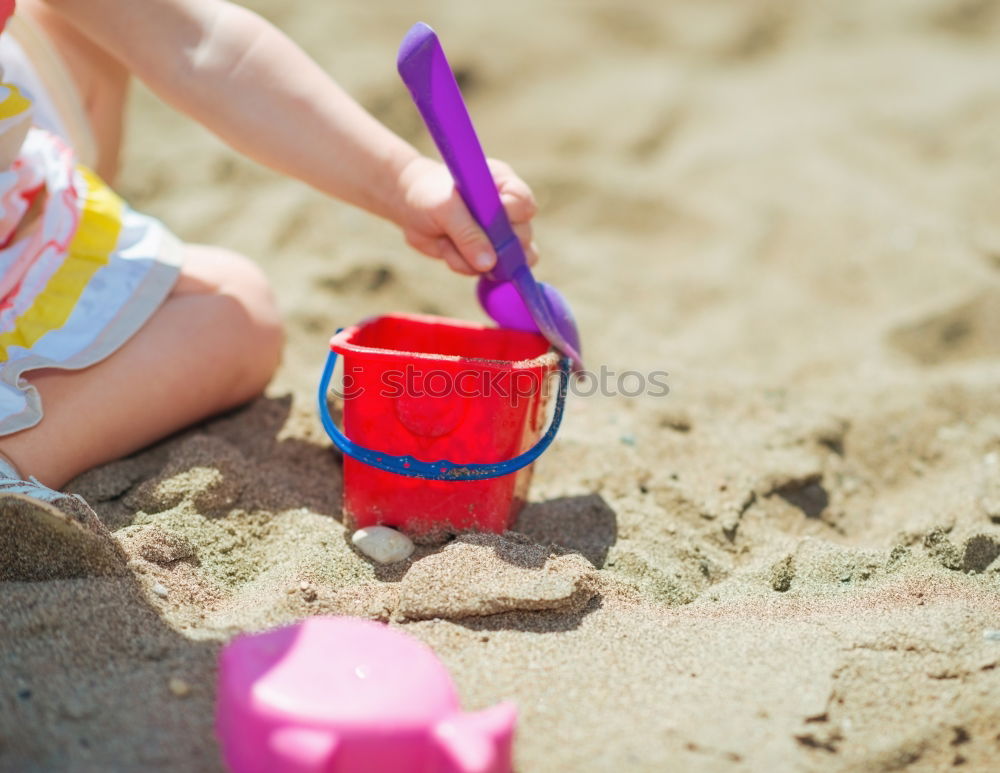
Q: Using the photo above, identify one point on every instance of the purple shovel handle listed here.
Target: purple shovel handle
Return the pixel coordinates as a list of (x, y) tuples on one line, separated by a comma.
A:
[(427, 74)]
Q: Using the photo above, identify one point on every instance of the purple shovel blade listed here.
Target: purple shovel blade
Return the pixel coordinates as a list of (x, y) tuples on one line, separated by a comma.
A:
[(504, 302), (427, 74)]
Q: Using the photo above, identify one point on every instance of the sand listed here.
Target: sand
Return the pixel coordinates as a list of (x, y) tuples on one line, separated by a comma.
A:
[(790, 562)]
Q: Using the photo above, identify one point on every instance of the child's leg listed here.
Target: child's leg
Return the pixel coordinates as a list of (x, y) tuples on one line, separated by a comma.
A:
[(214, 344)]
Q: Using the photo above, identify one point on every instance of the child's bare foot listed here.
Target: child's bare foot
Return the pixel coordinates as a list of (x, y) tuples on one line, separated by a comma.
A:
[(45, 534)]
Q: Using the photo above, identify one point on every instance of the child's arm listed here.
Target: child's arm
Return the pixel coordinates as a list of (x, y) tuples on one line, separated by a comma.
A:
[(239, 76)]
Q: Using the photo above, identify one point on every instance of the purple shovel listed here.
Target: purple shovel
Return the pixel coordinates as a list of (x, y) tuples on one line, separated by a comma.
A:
[(509, 293)]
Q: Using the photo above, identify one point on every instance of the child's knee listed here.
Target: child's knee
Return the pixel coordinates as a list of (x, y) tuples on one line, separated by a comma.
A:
[(244, 302), (250, 284), (265, 336)]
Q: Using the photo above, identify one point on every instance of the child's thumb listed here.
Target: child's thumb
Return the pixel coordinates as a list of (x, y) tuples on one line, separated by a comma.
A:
[(470, 241)]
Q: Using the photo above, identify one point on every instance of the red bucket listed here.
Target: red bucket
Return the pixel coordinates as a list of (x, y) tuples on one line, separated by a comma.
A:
[(455, 411)]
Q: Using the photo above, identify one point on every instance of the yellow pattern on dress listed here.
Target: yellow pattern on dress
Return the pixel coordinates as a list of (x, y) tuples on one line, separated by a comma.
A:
[(91, 246), (15, 102)]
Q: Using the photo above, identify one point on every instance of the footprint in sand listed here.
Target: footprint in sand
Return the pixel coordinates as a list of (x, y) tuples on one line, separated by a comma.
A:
[(365, 279), (208, 471), (817, 565), (969, 330), (485, 574)]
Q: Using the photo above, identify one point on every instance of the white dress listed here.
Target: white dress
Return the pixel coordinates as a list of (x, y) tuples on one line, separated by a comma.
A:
[(87, 273)]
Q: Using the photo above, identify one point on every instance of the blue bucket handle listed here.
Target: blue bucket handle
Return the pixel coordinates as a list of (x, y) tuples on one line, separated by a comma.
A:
[(442, 469)]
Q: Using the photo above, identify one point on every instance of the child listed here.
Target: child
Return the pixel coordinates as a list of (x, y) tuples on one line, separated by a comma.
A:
[(112, 333)]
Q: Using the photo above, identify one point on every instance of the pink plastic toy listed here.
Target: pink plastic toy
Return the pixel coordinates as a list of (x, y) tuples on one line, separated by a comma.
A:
[(342, 695)]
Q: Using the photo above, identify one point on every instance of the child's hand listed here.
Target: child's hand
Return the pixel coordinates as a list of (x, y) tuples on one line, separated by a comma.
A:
[(435, 221), (235, 73)]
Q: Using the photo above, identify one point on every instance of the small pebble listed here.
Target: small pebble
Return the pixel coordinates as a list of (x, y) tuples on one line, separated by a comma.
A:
[(178, 687), (991, 635), (160, 590), (382, 544)]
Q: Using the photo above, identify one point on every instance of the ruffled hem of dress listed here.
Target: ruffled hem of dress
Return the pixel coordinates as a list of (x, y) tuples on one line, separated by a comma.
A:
[(143, 303)]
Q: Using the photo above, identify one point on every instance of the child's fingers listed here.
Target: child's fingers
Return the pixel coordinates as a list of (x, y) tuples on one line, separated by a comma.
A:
[(525, 234), (454, 260), (424, 244), (515, 194), (531, 251), (467, 237), (519, 209), (440, 248)]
